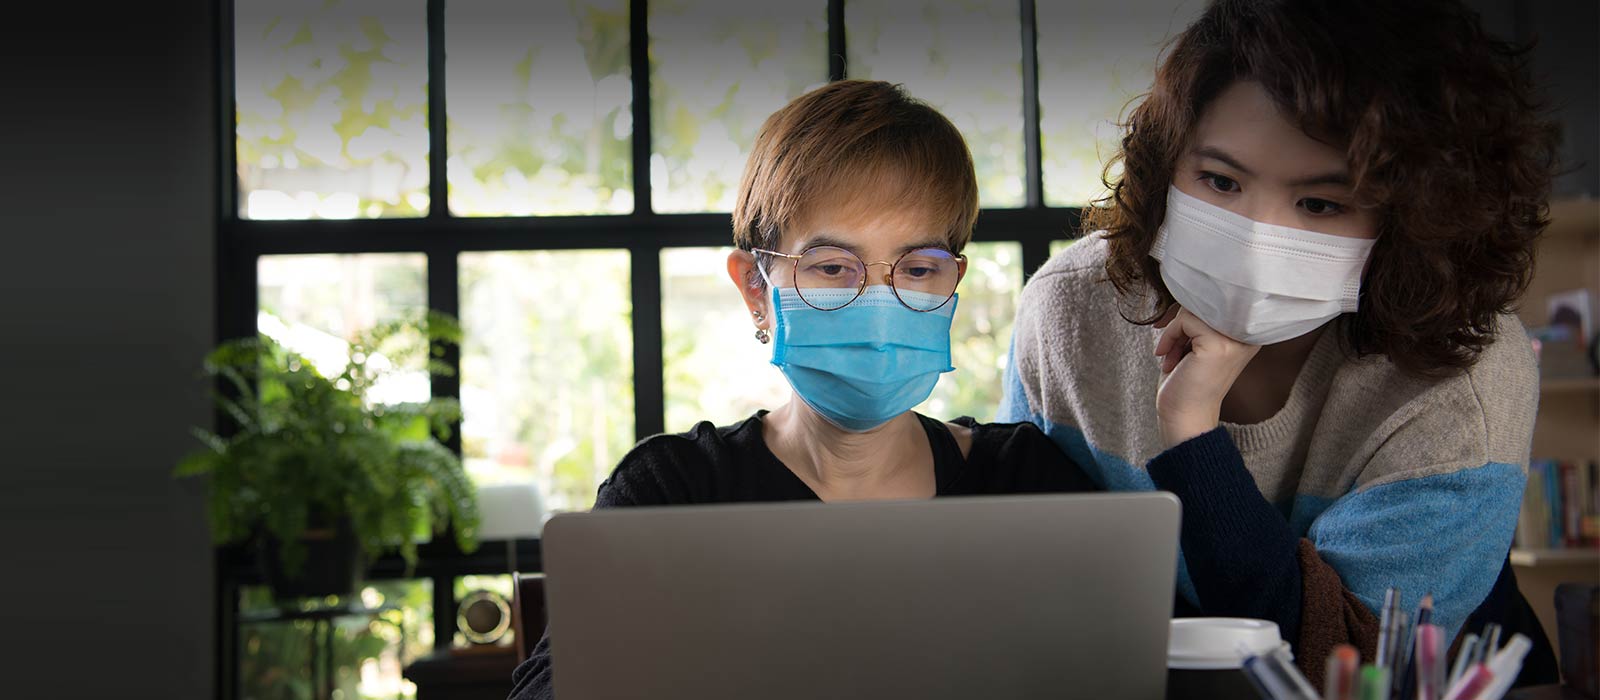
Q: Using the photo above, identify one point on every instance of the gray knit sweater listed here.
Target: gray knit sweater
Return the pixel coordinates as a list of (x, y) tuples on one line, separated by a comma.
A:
[(1366, 478)]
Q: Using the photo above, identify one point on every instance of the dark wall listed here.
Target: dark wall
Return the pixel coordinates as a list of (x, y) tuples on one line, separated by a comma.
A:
[(1566, 60), (1566, 63), (107, 190)]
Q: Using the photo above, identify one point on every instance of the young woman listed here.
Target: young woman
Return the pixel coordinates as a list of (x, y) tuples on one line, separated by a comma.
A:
[(1325, 210)]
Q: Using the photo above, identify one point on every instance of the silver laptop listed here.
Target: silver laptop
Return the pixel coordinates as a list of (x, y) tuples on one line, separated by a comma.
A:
[(1057, 596)]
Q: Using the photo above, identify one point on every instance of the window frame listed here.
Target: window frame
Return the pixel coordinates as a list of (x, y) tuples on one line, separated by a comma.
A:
[(441, 237)]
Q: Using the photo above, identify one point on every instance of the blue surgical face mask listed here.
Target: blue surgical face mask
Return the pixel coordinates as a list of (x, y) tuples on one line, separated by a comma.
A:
[(865, 363)]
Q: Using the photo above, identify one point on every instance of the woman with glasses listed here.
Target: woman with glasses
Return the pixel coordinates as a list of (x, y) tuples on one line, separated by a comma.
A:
[(851, 216)]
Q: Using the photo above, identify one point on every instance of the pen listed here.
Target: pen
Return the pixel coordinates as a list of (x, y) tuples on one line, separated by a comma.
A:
[(1504, 666), (1481, 652), (1410, 681), (1391, 605), (1340, 683), (1399, 670), (1276, 678), (1471, 684), (1429, 663), (1463, 658), (1374, 683)]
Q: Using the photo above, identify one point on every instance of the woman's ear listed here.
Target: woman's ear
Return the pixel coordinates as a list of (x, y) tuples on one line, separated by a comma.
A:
[(742, 270)]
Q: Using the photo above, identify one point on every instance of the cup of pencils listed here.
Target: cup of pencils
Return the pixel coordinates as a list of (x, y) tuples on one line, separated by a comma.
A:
[(1411, 664)]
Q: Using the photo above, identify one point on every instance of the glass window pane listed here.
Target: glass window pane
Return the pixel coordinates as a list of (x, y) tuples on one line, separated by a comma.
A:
[(717, 371), (980, 336), (1092, 69), (331, 108), (369, 650), (317, 304), (715, 368), (1059, 245), (546, 370), (717, 70), (539, 101), (964, 57)]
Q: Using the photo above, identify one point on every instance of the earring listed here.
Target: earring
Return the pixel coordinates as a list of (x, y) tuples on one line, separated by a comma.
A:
[(761, 333)]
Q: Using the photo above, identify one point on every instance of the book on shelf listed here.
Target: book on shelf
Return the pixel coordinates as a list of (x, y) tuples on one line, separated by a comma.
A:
[(1559, 506)]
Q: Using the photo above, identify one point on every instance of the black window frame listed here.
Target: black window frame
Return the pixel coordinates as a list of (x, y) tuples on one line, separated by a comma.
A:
[(441, 237)]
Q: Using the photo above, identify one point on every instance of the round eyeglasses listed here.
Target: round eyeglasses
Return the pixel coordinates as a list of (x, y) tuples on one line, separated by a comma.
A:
[(923, 279)]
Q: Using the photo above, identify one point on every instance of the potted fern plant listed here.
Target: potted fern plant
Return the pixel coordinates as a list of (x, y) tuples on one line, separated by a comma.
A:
[(318, 473)]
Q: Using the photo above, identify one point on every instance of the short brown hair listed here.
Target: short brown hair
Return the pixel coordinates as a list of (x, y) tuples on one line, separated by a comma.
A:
[(1439, 125), (834, 139)]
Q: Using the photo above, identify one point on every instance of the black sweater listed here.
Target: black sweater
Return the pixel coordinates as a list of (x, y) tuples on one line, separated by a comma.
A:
[(732, 464)]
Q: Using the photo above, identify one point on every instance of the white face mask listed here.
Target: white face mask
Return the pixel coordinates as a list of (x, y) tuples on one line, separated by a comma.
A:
[(1253, 282)]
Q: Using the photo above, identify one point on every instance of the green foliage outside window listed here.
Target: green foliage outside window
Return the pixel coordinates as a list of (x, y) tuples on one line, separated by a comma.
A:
[(540, 107), (717, 70), (963, 57), (980, 336), (331, 108), (546, 368)]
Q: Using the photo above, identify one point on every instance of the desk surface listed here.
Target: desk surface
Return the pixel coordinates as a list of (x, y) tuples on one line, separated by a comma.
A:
[(480, 675), (1546, 692), (446, 676)]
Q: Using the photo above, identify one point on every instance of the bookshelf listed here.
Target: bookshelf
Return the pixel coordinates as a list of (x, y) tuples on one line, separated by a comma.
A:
[(1554, 557), (1568, 424), (1569, 386)]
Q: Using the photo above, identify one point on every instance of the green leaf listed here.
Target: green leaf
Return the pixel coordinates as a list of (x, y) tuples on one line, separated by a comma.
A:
[(196, 463)]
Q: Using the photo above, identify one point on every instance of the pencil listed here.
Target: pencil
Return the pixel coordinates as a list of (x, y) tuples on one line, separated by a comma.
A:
[(1391, 605)]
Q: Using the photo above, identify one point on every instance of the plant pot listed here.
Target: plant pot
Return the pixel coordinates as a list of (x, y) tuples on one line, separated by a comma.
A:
[(334, 564)]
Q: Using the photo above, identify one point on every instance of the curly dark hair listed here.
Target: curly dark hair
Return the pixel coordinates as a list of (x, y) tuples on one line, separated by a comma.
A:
[(1442, 131)]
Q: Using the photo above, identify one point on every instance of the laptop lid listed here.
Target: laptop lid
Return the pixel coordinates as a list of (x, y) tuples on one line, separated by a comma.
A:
[(993, 597)]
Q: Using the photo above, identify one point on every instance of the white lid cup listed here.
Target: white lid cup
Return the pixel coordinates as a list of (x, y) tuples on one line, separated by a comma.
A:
[(1205, 655)]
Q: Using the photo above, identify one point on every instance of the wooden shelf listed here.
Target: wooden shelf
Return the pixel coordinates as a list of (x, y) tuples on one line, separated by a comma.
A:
[(1574, 218), (1569, 385), (1555, 557)]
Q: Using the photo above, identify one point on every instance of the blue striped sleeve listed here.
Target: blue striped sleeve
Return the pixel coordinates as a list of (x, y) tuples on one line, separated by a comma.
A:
[(1445, 534), (1014, 406)]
